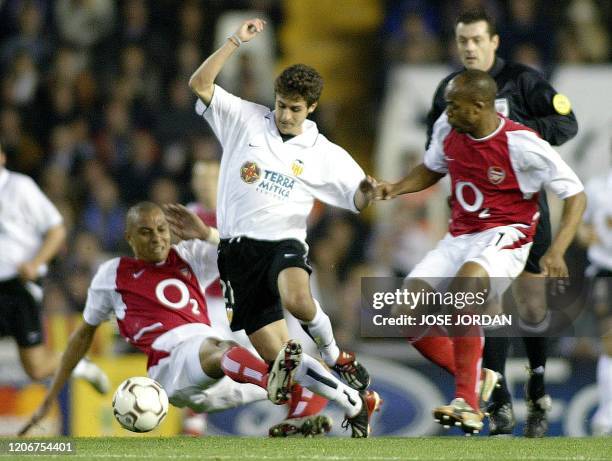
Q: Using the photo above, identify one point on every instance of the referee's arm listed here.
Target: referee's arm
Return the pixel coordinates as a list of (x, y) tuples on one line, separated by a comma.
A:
[(548, 119)]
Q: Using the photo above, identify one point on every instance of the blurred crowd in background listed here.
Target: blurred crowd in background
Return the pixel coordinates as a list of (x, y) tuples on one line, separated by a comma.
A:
[(94, 105)]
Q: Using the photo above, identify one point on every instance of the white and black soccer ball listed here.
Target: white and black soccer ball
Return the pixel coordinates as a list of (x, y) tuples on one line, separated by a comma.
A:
[(140, 404)]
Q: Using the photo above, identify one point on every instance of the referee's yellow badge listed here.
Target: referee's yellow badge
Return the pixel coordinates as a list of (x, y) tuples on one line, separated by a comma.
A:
[(562, 104), (297, 167)]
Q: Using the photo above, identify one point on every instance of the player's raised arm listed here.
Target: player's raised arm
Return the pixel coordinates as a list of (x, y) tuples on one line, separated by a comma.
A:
[(78, 345), (203, 79), (418, 179)]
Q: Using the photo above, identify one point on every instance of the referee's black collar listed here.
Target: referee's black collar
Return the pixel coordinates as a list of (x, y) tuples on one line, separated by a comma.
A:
[(497, 67)]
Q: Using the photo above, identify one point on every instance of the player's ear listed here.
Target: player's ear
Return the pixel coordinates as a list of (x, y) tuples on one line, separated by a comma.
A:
[(495, 41), (312, 107)]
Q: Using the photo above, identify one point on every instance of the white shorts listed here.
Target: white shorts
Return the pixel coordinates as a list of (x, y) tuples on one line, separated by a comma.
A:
[(485, 248), (219, 321), (181, 374)]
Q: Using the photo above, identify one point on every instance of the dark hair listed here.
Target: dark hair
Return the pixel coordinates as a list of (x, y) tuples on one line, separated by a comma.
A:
[(478, 85), (476, 15), (300, 80)]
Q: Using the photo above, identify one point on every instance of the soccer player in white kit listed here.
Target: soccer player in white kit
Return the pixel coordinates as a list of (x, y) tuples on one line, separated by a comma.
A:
[(304, 407), (496, 167), (274, 165), (32, 232)]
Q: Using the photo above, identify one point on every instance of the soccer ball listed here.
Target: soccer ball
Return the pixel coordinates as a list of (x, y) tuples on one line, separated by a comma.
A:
[(140, 404)]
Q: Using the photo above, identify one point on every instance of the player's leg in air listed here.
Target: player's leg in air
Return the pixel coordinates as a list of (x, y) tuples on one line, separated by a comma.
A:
[(193, 374), (303, 407), (20, 317), (258, 278), (40, 363), (294, 290)]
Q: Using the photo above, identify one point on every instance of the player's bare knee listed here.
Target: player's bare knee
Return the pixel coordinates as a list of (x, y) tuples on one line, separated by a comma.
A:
[(34, 372), (37, 362), (531, 309)]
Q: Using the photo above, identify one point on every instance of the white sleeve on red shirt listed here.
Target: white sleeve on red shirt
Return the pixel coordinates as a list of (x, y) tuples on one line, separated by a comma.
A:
[(227, 115), (435, 160), (102, 297), (537, 164), (202, 258)]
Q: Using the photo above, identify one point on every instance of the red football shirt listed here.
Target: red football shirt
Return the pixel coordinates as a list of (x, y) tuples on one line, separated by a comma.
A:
[(150, 299), (495, 180)]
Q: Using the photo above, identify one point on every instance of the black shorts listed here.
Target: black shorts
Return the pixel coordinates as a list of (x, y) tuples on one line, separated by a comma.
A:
[(542, 238), (249, 272), (19, 314)]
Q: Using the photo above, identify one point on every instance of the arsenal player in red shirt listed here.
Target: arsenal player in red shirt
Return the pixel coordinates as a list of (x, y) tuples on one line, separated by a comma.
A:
[(157, 297), (496, 167)]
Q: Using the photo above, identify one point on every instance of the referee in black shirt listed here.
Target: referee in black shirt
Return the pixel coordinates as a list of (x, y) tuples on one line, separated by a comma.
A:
[(526, 97)]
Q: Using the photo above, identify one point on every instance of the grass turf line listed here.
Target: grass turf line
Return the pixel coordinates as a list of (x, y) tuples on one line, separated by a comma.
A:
[(333, 449)]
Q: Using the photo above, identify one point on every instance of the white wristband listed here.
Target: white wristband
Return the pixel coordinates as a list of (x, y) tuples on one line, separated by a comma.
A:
[(235, 40), (213, 236)]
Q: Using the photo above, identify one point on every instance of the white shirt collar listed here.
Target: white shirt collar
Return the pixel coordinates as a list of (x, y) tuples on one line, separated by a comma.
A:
[(307, 138), (502, 122)]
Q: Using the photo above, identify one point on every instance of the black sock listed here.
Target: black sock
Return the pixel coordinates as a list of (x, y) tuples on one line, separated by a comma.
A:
[(536, 349), (494, 357)]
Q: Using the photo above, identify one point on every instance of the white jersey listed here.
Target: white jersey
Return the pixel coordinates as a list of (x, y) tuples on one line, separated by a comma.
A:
[(599, 214), (26, 215), (267, 187)]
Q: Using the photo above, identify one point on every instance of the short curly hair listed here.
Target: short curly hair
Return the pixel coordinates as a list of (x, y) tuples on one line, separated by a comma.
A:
[(300, 80)]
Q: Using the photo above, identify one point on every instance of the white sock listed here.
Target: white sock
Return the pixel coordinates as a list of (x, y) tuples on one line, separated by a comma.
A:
[(320, 329), (225, 394), (314, 376), (602, 420), (81, 369)]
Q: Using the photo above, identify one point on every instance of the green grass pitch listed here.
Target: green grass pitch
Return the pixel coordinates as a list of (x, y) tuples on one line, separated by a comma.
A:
[(333, 449)]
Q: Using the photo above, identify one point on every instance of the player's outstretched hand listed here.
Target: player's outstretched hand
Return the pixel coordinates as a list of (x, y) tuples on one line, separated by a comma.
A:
[(39, 414), (184, 223), (249, 29), (28, 271), (384, 191)]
